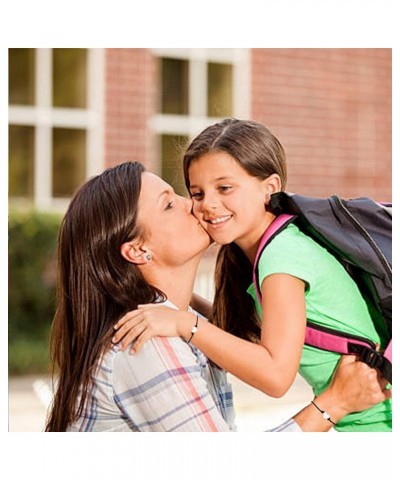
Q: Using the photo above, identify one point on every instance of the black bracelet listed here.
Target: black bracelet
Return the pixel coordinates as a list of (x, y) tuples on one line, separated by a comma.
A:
[(194, 329), (324, 414)]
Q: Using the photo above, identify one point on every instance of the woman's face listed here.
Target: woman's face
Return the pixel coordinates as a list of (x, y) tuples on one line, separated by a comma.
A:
[(171, 233)]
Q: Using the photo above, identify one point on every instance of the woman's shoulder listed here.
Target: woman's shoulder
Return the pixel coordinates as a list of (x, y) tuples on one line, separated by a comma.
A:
[(158, 354)]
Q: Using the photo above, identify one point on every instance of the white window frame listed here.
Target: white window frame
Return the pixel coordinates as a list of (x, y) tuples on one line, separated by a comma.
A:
[(44, 117), (197, 119)]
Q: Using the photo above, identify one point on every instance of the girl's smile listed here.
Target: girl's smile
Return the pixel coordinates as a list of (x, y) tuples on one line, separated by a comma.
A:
[(218, 222)]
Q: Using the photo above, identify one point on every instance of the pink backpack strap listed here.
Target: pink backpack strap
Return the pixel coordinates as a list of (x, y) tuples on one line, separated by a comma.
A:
[(388, 352), (277, 224), (333, 340), (348, 344)]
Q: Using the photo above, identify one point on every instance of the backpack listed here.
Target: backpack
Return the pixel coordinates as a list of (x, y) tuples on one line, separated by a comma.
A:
[(358, 232)]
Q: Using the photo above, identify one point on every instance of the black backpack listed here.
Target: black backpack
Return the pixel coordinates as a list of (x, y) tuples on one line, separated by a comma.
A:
[(358, 233)]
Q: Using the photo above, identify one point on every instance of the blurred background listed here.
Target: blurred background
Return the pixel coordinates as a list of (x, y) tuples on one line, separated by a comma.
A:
[(75, 112)]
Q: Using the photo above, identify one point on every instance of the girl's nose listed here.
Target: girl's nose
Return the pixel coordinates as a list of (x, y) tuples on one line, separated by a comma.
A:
[(208, 203)]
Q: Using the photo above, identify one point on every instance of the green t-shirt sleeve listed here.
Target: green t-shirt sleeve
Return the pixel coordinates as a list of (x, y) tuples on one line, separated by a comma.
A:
[(291, 254)]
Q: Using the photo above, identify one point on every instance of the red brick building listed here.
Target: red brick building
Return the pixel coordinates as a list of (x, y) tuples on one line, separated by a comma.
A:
[(74, 112)]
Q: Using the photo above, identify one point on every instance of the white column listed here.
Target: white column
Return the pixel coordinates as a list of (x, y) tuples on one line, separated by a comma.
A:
[(242, 83), (95, 133), (43, 132)]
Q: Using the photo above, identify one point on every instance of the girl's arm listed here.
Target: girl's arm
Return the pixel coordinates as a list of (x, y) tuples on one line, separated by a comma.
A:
[(269, 366)]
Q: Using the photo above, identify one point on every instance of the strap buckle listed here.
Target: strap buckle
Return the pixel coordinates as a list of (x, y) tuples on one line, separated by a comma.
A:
[(372, 358)]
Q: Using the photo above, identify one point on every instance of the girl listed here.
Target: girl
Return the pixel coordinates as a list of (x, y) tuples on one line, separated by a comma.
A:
[(231, 169)]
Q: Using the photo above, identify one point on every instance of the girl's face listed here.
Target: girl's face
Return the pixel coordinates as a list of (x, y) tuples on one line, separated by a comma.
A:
[(229, 202), (171, 233)]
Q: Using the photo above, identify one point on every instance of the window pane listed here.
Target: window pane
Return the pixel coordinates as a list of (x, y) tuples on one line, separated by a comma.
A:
[(21, 160), (174, 89), (21, 76), (69, 77), (219, 90), (172, 149), (69, 160)]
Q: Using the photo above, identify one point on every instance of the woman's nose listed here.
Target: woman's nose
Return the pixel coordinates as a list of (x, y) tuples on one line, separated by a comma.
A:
[(187, 204)]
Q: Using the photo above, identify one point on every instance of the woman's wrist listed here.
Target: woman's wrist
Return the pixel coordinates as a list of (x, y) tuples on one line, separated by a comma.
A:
[(332, 405)]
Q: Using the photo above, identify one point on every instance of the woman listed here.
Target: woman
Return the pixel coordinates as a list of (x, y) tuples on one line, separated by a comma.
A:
[(121, 245)]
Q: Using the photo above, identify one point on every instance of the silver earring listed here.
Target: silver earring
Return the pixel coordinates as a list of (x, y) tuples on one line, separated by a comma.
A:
[(148, 257)]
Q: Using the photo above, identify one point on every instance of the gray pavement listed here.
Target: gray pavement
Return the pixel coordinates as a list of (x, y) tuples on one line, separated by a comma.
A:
[(30, 395)]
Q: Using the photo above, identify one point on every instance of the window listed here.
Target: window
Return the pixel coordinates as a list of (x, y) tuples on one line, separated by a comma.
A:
[(69, 77), (22, 146), (172, 148), (69, 151), (21, 76), (219, 90), (55, 123), (174, 89), (197, 87)]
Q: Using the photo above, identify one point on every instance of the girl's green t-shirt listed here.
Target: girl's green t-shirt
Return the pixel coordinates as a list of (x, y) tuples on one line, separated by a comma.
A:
[(332, 300)]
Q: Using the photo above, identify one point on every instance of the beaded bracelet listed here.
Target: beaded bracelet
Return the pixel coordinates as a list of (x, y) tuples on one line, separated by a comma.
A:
[(324, 414), (194, 329)]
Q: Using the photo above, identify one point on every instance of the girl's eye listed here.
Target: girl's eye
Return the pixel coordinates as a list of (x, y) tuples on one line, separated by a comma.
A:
[(224, 188), (169, 205), (197, 196)]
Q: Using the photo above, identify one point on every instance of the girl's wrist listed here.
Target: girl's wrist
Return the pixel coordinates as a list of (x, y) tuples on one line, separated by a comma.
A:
[(185, 324)]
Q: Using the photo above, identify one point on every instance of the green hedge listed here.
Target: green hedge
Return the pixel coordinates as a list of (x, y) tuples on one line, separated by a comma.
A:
[(31, 289)]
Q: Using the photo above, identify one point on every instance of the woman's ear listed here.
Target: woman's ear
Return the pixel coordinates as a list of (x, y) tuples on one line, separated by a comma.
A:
[(135, 252)]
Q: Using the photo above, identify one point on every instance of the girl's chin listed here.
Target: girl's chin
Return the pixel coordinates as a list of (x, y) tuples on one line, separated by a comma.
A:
[(221, 239)]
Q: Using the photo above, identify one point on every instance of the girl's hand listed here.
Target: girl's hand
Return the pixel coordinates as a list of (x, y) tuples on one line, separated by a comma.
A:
[(151, 320)]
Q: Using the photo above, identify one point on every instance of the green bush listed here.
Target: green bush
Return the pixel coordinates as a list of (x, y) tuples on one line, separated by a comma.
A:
[(31, 291)]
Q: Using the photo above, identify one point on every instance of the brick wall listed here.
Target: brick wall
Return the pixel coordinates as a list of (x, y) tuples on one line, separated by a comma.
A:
[(331, 109), (130, 89)]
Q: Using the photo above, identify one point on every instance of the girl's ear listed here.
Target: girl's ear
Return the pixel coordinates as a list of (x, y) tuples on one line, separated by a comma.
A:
[(135, 252), (273, 184)]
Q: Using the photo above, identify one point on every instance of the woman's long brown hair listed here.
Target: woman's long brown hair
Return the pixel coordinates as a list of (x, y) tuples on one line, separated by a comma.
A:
[(95, 285), (260, 153)]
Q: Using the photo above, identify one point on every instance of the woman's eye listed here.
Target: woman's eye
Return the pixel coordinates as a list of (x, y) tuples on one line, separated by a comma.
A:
[(169, 205), (224, 188)]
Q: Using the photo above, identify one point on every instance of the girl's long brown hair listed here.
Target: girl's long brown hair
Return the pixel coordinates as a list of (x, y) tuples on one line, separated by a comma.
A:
[(260, 153), (95, 285)]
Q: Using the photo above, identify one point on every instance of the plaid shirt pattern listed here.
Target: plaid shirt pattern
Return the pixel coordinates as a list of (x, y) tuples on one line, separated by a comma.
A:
[(167, 386)]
